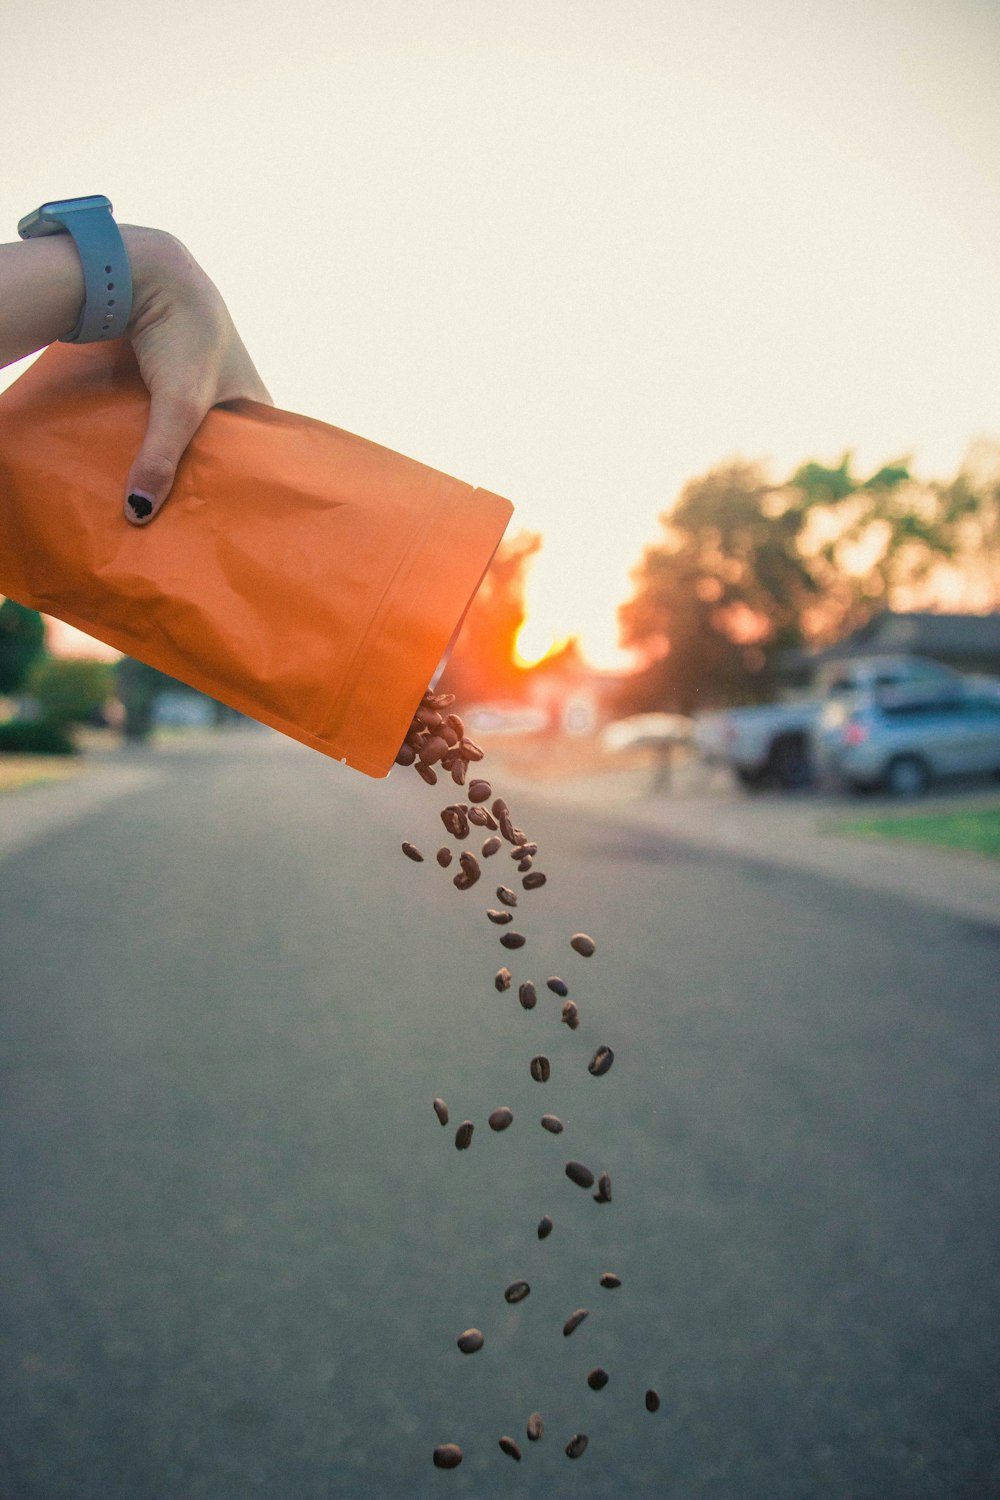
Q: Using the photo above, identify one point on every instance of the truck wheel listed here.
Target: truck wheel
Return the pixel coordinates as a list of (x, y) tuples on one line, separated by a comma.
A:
[(790, 763), (907, 776)]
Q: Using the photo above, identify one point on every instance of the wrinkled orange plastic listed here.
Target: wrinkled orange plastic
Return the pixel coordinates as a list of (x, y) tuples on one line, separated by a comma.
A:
[(305, 576)]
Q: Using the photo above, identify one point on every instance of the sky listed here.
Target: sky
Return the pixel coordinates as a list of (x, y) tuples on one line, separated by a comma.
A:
[(577, 252)]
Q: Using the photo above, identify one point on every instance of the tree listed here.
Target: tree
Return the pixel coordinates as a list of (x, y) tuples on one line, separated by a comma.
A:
[(481, 664), (719, 595), (71, 690), (22, 642)]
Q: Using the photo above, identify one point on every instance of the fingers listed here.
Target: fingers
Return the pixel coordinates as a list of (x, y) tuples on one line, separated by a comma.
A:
[(173, 422)]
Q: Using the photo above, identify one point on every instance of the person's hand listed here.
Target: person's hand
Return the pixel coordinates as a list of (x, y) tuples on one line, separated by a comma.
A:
[(190, 357)]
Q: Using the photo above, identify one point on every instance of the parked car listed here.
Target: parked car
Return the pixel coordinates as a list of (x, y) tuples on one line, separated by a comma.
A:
[(902, 742), (775, 743)]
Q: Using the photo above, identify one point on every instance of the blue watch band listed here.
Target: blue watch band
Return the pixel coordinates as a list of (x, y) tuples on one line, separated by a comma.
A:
[(107, 276)]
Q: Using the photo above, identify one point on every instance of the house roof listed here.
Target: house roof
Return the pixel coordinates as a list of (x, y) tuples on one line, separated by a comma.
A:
[(920, 633)]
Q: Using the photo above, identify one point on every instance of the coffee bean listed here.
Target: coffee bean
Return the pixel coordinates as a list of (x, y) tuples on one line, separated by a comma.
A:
[(523, 851), (447, 1456), (598, 1379), (578, 1173), (610, 1280), (432, 749), (428, 774), (601, 1061), (574, 1320), (582, 944), (441, 1110), (463, 1135), (462, 882), (652, 1400), (553, 1124), (503, 979), (428, 716), (488, 820), (458, 769), (520, 837), (454, 722), (451, 738), (532, 881), (501, 1118), (499, 806), (501, 918), (480, 817), (513, 939), (571, 1014), (523, 865), (544, 1227), (470, 1341), (577, 1445), (540, 1069), (506, 826), (557, 986), (443, 857), (506, 895), (603, 1194), (406, 755), (510, 1448), (439, 700), (535, 1427), (480, 791), (527, 994), (490, 847), (517, 1291), (412, 852), (471, 750), (470, 864)]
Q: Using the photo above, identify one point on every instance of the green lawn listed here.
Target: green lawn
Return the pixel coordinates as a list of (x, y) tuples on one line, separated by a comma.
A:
[(974, 831)]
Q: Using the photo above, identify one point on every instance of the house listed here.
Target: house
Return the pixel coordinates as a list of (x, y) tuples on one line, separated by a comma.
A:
[(969, 643)]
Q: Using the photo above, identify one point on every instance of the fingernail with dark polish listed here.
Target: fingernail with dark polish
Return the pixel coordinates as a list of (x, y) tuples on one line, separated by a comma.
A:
[(140, 505)]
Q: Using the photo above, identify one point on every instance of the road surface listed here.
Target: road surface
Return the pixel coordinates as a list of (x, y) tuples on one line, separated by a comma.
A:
[(238, 1247)]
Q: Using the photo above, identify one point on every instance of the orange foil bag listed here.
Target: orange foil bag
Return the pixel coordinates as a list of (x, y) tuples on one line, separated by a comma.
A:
[(306, 577)]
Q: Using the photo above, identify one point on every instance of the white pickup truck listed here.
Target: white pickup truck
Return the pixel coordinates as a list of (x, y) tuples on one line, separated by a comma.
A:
[(772, 744)]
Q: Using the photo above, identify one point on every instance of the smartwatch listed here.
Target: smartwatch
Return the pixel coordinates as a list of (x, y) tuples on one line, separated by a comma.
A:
[(107, 276)]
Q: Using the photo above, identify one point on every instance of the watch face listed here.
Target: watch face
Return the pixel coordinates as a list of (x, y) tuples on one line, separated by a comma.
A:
[(48, 218)]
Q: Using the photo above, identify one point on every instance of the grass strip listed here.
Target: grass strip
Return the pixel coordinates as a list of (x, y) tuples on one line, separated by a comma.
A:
[(972, 832)]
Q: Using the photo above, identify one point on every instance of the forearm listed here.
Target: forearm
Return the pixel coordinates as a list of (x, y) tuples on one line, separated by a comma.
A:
[(41, 294)]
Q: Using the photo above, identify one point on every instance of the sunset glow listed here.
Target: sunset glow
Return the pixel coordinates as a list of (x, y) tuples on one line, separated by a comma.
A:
[(535, 641)]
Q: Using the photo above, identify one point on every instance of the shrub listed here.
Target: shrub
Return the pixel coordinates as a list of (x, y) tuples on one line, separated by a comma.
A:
[(71, 690), (40, 737)]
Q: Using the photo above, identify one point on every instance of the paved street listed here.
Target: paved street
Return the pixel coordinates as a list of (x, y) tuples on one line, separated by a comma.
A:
[(238, 1247)]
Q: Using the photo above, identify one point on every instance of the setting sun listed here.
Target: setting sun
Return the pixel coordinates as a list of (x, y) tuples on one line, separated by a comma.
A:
[(535, 641)]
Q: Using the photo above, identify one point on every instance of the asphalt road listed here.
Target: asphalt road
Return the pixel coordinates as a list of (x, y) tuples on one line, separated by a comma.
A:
[(238, 1247)]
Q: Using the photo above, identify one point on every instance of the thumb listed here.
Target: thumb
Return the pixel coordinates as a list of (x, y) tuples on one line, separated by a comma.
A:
[(173, 422)]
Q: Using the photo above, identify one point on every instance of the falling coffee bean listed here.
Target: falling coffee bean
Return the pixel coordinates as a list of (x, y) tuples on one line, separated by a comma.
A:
[(503, 979), (610, 1280), (443, 857), (491, 846), (523, 865), (578, 1173), (441, 1110), (603, 1194), (598, 1379), (501, 918), (652, 1400), (447, 1456), (527, 994), (533, 880), (601, 1061), (574, 1320), (544, 1227), (553, 1124), (480, 791), (540, 1069), (501, 1118), (571, 1014), (470, 1341), (535, 1427), (406, 756), (463, 1135), (577, 1445), (582, 944), (513, 940), (517, 1291), (510, 1448), (412, 852), (471, 750), (470, 864), (557, 986), (458, 769), (523, 851), (432, 749), (506, 895)]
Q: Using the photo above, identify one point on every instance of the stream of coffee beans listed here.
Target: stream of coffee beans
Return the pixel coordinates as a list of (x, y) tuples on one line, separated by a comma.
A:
[(436, 745)]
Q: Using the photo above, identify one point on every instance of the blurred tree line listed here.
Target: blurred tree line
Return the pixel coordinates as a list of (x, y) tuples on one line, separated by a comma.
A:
[(745, 569)]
